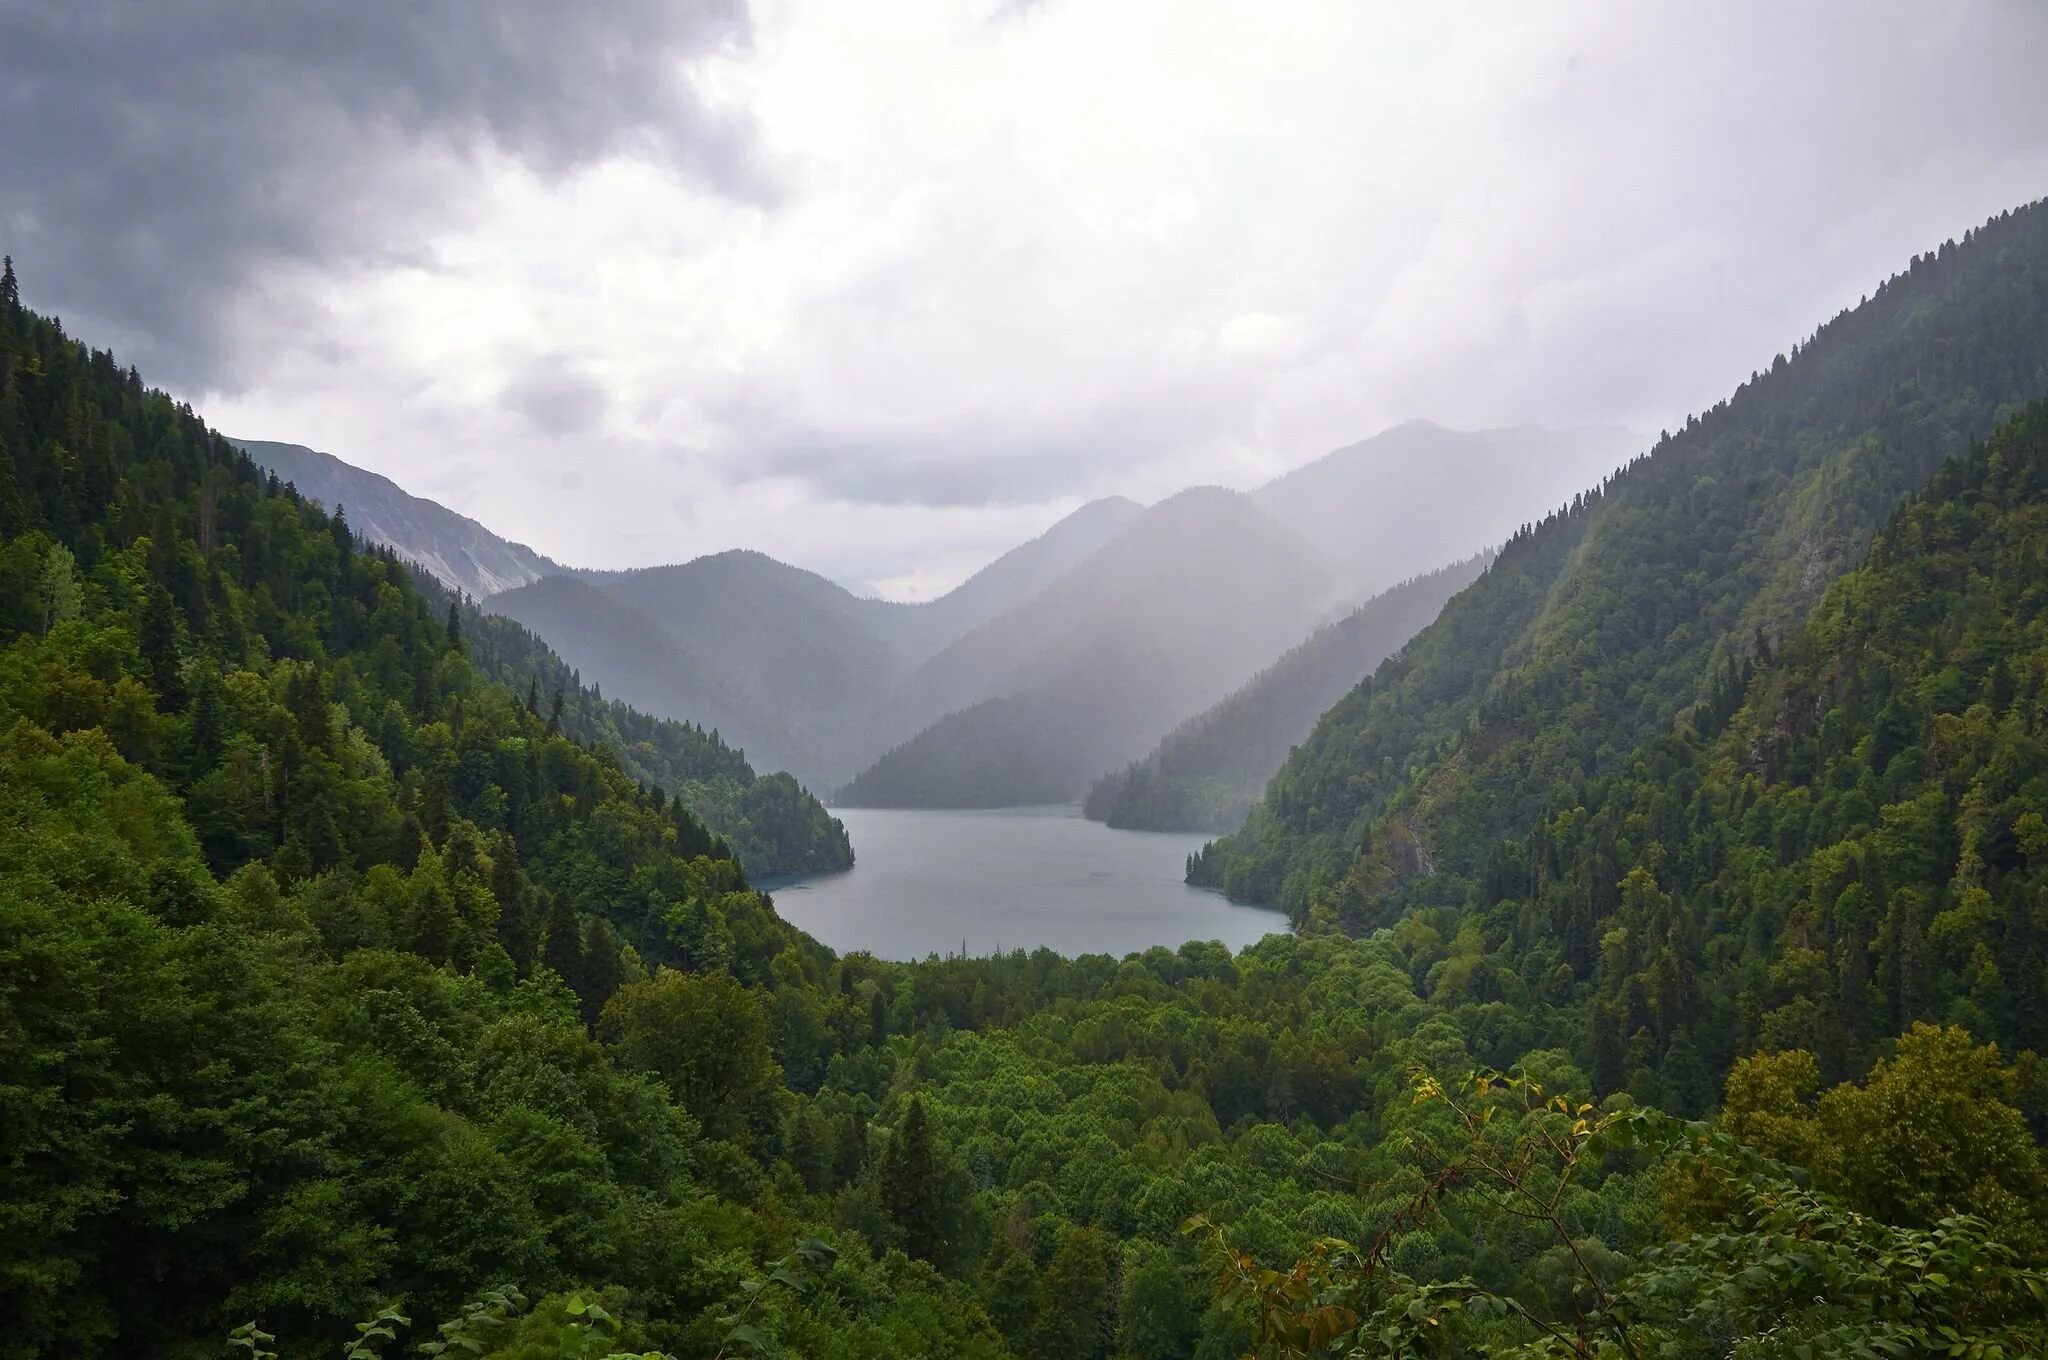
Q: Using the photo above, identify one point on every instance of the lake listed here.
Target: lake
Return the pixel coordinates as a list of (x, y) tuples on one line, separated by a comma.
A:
[(928, 882)]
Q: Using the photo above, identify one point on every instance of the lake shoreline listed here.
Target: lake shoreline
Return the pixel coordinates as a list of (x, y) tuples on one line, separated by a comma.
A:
[(980, 882)]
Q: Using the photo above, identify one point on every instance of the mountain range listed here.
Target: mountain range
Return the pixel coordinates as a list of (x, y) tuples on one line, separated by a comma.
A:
[(1065, 658)]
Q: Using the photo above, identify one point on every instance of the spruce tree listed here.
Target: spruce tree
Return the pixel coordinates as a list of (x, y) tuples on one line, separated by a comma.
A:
[(209, 725), (849, 1148), (561, 943), (434, 922), (602, 969), (158, 642), (910, 1184)]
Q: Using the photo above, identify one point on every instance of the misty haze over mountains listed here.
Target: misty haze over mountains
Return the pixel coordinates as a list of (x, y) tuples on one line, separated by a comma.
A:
[(1198, 592), (1419, 496), (1206, 773), (1063, 660)]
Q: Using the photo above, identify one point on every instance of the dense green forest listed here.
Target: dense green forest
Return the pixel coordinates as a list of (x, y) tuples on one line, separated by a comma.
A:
[(350, 998), (1206, 773)]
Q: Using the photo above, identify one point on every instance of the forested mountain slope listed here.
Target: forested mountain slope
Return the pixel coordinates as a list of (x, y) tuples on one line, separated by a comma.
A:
[(1596, 628), (453, 548), (1206, 773), (346, 1001), (629, 657), (774, 824), (773, 656), (1846, 836), (1193, 597), (256, 794)]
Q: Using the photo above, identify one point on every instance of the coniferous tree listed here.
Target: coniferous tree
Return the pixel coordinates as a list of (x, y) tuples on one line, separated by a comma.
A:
[(158, 641), (435, 925), (518, 931), (209, 725), (910, 1184), (849, 1148), (561, 941), (602, 968)]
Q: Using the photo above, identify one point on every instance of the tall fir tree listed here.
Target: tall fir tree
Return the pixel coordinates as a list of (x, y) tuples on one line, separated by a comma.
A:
[(910, 1184)]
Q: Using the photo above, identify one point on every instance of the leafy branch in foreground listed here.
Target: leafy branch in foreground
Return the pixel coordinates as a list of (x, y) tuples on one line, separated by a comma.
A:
[(798, 1272), (470, 1331), (1784, 1271), (590, 1327), (375, 1334)]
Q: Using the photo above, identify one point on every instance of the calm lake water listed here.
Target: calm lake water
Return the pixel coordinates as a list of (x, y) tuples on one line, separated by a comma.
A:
[(1008, 878)]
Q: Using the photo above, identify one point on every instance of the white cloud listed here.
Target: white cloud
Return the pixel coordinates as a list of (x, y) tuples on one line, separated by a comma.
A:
[(1017, 260)]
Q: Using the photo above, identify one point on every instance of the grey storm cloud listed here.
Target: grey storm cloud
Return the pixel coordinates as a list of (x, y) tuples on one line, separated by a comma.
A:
[(152, 152), (556, 397), (881, 289), (966, 467), (958, 472)]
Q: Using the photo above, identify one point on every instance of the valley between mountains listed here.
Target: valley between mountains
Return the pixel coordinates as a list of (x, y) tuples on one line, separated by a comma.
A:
[(1053, 667)]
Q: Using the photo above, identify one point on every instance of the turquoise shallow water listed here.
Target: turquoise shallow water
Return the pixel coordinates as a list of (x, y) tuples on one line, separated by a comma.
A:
[(1008, 878)]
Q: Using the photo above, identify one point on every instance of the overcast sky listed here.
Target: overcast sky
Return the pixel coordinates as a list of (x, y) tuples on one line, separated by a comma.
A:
[(882, 289)]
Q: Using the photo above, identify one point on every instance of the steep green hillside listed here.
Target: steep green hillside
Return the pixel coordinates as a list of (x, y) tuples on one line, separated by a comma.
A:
[(1595, 629), (1206, 773), (273, 861), (1845, 837)]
